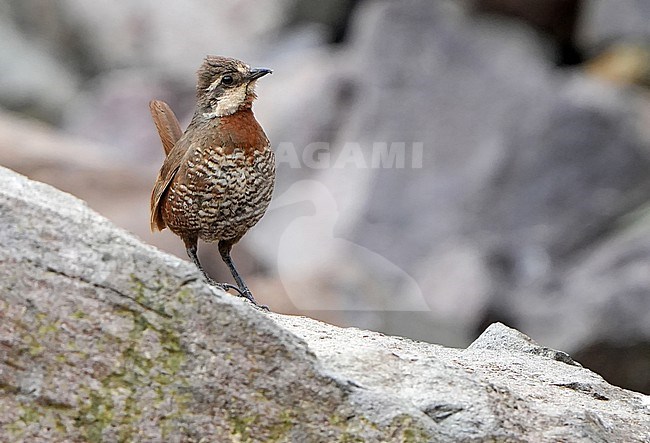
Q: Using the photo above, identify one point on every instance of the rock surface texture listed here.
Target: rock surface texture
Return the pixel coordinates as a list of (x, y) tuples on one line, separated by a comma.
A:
[(103, 338)]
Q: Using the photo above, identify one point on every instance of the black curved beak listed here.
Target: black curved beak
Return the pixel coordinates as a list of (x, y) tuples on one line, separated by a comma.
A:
[(258, 72)]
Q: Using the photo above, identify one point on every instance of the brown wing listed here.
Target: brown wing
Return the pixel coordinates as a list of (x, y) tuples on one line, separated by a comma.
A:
[(166, 123), (167, 172)]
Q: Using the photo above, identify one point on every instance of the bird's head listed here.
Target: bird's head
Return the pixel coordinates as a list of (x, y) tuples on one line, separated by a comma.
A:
[(226, 85)]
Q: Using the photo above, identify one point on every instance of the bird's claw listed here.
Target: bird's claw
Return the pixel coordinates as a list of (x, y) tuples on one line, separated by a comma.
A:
[(244, 294), (248, 295)]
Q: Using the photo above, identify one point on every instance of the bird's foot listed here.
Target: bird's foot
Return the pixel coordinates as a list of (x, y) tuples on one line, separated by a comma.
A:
[(244, 294), (248, 295)]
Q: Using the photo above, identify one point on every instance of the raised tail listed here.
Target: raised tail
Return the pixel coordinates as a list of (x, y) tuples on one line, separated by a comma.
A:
[(166, 123)]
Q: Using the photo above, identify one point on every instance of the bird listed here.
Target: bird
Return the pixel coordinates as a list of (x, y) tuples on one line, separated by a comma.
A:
[(218, 176)]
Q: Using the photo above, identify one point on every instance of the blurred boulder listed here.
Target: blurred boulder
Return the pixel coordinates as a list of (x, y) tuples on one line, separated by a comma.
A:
[(33, 80), (93, 69), (175, 35), (115, 112), (599, 305), (334, 15), (523, 167), (607, 21), (556, 18), (311, 110)]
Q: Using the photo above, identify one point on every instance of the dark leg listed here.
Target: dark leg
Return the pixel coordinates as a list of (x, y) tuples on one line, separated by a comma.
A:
[(191, 248), (224, 250)]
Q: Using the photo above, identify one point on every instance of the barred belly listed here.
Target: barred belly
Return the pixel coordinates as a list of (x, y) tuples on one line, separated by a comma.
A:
[(222, 199)]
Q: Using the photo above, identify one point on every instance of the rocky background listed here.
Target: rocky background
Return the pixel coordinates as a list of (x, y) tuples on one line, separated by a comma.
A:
[(531, 205)]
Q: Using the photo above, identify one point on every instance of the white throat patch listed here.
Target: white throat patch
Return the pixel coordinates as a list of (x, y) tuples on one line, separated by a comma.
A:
[(229, 103)]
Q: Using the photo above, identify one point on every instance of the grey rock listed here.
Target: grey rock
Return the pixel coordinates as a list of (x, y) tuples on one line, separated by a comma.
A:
[(110, 35), (611, 287), (105, 338), (599, 306), (115, 112), (93, 70), (524, 166), (526, 183), (498, 336), (317, 94), (604, 21), (32, 80)]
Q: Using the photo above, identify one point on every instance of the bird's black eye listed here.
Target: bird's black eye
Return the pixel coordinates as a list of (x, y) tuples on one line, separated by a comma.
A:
[(227, 80)]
